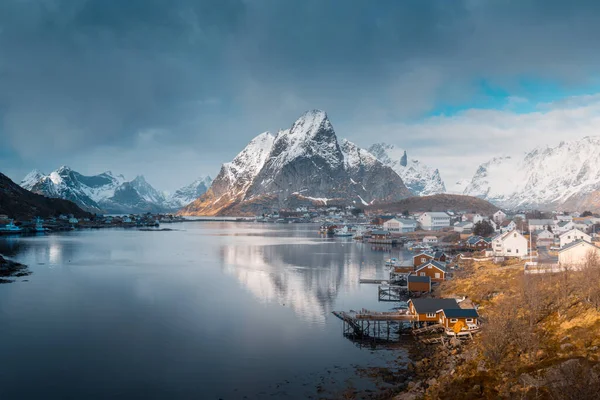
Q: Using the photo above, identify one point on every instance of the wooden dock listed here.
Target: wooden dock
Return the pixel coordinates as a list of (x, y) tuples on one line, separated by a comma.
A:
[(374, 325)]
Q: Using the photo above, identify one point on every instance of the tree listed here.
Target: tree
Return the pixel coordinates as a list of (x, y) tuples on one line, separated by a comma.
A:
[(405, 213), (549, 228), (587, 214), (483, 228)]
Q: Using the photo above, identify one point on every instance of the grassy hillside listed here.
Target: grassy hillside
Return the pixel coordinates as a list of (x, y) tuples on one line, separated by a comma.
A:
[(438, 202)]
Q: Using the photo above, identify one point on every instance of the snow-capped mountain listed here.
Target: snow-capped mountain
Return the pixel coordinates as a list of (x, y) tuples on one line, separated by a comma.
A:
[(187, 194), (303, 164), (418, 177), (103, 193), (566, 176)]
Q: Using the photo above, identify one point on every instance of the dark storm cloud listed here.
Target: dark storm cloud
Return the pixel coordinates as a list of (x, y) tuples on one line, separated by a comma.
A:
[(80, 77)]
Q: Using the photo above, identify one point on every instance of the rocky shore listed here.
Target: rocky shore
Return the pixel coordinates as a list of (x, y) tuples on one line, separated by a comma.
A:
[(11, 269)]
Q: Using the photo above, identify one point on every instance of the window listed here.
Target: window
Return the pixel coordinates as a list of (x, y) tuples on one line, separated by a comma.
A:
[(430, 315), (469, 320), (508, 250), (517, 251), (423, 259), (429, 267), (437, 275), (422, 274), (515, 235), (453, 320)]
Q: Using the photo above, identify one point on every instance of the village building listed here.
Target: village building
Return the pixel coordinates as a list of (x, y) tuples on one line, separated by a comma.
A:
[(572, 236), (544, 235), (510, 244), (433, 269), (400, 225), (419, 284), (422, 258), (463, 226), (499, 216), (577, 253), (425, 310), (507, 226), (440, 256), (458, 320), (432, 221), (541, 224), (478, 243), (430, 239)]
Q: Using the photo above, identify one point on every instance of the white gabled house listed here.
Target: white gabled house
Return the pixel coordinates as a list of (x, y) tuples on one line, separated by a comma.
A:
[(564, 226), (432, 221), (463, 226), (510, 244), (400, 225), (572, 236), (508, 226), (540, 224), (499, 216), (576, 254), (544, 235)]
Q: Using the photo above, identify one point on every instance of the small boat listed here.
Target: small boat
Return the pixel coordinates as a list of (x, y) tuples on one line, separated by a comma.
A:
[(392, 262), (10, 228), (39, 227), (343, 232)]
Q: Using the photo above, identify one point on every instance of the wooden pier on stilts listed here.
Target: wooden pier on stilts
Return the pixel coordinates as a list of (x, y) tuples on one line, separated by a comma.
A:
[(374, 325)]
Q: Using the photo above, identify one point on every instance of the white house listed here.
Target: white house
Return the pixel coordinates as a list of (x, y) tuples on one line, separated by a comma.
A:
[(474, 218), (544, 235), (400, 225), (499, 216), (508, 226), (432, 221), (564, 218), (540, 224), (564, 226), (430, 239), (463, 226), (572, 236), (576, 254), (392, 225), (510, 244), (73, 220)]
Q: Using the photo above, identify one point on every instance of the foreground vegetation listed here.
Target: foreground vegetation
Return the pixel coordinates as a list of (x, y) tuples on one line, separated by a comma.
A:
[(540, 337)]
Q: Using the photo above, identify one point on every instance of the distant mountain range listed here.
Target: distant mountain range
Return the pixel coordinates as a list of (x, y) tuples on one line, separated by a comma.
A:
[(418, 177), (305, 164), (17, 202), (109, 193), (564, 177)]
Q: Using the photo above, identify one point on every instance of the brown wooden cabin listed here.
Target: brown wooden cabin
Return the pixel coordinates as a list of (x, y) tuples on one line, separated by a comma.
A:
[(380, 235), (425, 310), (433, 269), (440, 256), (478, 243), (404, 269), (467, 317), (419, 284), (421, 258)]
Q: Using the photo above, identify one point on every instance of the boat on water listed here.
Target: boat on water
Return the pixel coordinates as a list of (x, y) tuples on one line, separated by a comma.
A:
[(392, 262), (10, 228), (39, 227), (327, 229), (345, 231)]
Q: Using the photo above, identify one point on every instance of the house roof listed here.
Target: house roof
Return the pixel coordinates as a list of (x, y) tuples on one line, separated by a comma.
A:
[(420, 279), (427, 305), (463, 224), (438, 254), (436, 264), (576, 243), (570, 231), (423, 253), (460, 312), (474, 239), (438, 214), (541, 222), (405, 221), (380, 232)]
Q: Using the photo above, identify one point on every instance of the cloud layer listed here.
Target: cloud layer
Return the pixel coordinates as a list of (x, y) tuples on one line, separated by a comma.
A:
[(172, 89)]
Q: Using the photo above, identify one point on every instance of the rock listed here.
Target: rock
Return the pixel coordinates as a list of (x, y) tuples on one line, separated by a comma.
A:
[(476, 389), (432, 382), (566, 346), (481, 367), (410, 367), (565, 338), (406, 396)]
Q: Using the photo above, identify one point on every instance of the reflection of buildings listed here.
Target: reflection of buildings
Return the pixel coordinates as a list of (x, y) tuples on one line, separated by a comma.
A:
[(305, 277)]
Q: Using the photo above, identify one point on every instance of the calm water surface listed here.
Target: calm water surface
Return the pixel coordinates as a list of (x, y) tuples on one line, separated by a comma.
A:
[(211, 310)]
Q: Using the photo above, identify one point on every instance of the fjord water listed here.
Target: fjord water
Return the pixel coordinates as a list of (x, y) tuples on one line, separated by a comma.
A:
[(209, 310)]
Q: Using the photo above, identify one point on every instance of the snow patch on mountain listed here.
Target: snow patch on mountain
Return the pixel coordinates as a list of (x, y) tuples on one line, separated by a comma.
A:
[(545, 176), (187, 194), (418, 177)]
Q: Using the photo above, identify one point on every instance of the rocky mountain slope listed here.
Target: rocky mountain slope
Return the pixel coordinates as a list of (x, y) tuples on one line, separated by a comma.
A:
[(566, 176), (418, 177), (438, 202), (187, 194), (301, 165), (106, 192), (17, 202)]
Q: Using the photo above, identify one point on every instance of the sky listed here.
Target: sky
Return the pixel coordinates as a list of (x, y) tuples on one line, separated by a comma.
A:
[(171, 89)]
